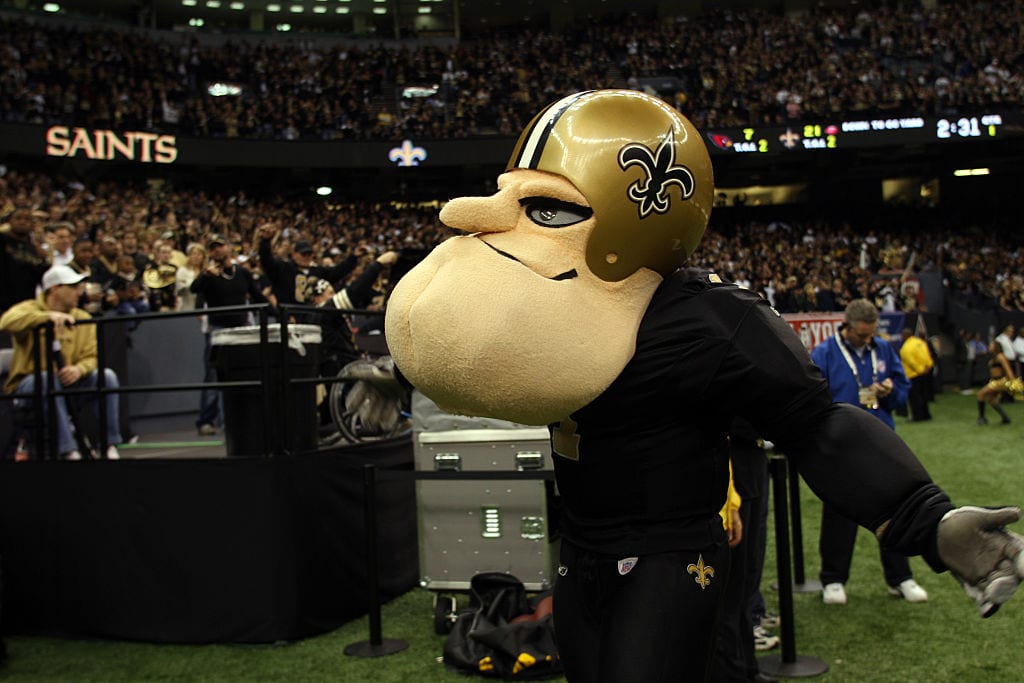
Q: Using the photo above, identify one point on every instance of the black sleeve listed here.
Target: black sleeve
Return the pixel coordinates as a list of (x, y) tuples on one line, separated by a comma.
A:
[(198, 285), (271, 266), (337, 273), (360, 291), (255, 291)]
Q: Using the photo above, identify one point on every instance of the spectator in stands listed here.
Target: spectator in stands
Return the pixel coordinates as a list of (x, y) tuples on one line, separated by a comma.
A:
[(103, 267), (288, 278), (338, 346), (130, 246), (184, 276), (76, 359), (22, 258), (161, 279), (864, 370), (63, 237), (127, 286), (223, 283), (81, 262)]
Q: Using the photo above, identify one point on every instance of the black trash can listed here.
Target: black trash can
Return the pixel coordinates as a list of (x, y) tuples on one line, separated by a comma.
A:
[(292, 423)]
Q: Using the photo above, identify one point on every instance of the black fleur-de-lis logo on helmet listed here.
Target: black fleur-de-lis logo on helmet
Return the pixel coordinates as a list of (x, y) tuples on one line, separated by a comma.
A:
[(651, 193)]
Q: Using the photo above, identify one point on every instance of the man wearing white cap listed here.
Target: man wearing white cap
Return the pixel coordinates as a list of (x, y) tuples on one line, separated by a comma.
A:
[(76, 358)]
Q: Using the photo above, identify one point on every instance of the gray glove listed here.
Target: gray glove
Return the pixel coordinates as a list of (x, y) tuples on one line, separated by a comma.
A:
[(986, 558)]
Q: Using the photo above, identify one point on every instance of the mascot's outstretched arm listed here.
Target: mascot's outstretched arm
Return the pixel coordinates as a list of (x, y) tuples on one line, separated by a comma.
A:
[(565, 304)]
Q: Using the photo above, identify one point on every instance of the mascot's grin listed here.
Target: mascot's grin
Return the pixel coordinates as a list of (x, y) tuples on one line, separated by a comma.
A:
[(567, 275)]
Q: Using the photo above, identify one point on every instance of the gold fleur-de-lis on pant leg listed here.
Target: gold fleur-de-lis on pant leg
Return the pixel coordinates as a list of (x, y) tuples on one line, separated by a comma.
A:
[(704, 572)]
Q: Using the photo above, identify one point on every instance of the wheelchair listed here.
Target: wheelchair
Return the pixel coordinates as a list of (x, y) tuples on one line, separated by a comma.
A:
[(368, 403)]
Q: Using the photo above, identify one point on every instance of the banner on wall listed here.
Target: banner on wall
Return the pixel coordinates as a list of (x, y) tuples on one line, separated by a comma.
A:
[(814, 328)]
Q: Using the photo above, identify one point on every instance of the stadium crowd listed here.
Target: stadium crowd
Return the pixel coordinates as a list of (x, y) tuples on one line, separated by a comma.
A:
[(730, 68), (802, 263)]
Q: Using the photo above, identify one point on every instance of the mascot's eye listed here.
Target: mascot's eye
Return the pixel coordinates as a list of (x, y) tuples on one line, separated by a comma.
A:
[(553, 213)]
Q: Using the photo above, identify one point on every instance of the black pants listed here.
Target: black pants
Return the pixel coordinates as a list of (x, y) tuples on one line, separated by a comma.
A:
[(838, 535), (920, 388), (734, 651), (653, 624)]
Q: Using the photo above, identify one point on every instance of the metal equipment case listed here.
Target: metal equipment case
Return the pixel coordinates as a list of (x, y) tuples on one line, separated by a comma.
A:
[(477, 525)]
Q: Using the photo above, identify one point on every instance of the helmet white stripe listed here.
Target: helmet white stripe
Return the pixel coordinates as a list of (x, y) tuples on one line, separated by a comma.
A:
[(529, 154)]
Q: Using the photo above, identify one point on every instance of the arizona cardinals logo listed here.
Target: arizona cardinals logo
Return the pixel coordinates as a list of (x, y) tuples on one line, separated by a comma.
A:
[(720, 141), (651, 193)]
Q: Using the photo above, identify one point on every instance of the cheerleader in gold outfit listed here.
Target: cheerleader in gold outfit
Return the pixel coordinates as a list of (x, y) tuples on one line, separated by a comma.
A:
[(1001, 381)]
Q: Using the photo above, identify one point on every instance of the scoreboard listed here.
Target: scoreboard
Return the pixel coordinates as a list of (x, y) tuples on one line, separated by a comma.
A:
[(863, 133)]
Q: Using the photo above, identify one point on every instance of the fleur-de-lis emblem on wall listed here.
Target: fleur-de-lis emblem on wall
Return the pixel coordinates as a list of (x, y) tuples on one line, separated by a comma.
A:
[(704, 572), (651, 193), (408, 154)]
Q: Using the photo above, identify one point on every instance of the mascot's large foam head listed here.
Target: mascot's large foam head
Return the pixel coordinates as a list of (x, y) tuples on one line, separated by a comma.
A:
[(533, 313)]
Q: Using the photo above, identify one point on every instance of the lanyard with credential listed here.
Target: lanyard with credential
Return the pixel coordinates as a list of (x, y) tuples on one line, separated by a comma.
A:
[(867, 397)]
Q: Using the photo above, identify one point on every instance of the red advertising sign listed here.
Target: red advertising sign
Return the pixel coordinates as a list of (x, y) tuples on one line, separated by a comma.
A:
[(814, 328)]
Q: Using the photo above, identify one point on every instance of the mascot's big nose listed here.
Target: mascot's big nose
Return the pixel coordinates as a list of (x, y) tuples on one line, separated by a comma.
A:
[(498, 213)]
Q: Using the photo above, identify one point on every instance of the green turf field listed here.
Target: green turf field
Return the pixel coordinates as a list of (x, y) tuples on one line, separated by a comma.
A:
[(875, 638)]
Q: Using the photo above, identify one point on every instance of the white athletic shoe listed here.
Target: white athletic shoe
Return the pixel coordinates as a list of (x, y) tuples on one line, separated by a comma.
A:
[(112, 453), (763, 640), (909, 591), (73, 455), (833, 594)]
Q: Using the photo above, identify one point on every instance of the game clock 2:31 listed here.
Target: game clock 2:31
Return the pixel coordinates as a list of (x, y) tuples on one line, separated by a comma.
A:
[(968, 127)]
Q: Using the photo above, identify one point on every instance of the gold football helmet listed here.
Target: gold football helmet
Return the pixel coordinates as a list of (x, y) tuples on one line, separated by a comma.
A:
[(642, 167)]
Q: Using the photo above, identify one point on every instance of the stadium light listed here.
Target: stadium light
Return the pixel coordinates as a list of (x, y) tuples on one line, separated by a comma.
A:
[(341, 10), (51, 7), (273, 7), (283, 27), (962, 172), (324, 190)]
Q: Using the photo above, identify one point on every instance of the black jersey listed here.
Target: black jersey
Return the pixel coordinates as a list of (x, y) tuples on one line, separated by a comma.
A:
[(644, 466), (289, 281)]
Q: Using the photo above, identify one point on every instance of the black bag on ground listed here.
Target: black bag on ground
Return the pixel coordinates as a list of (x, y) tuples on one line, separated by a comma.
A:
[(504, 634)]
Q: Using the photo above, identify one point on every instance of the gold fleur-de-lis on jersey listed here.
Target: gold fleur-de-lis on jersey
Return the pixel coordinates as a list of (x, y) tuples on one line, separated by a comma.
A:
[(703, 572)]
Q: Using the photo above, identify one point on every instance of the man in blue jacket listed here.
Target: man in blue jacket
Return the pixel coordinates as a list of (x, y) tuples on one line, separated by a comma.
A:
[(864, 370)]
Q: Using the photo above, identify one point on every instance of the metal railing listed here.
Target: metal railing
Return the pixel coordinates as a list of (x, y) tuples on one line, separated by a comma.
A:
[(44, 357)]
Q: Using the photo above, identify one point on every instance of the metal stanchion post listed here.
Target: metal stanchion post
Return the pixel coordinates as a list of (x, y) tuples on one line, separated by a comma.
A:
[(789, 664), (800, 582), (375, 646)]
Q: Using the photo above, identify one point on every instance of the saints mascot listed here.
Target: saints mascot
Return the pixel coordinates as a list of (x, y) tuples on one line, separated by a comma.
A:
[(567, 304)]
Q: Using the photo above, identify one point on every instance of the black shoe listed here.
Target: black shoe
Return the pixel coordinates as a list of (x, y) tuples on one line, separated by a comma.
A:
[(762, 677)]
